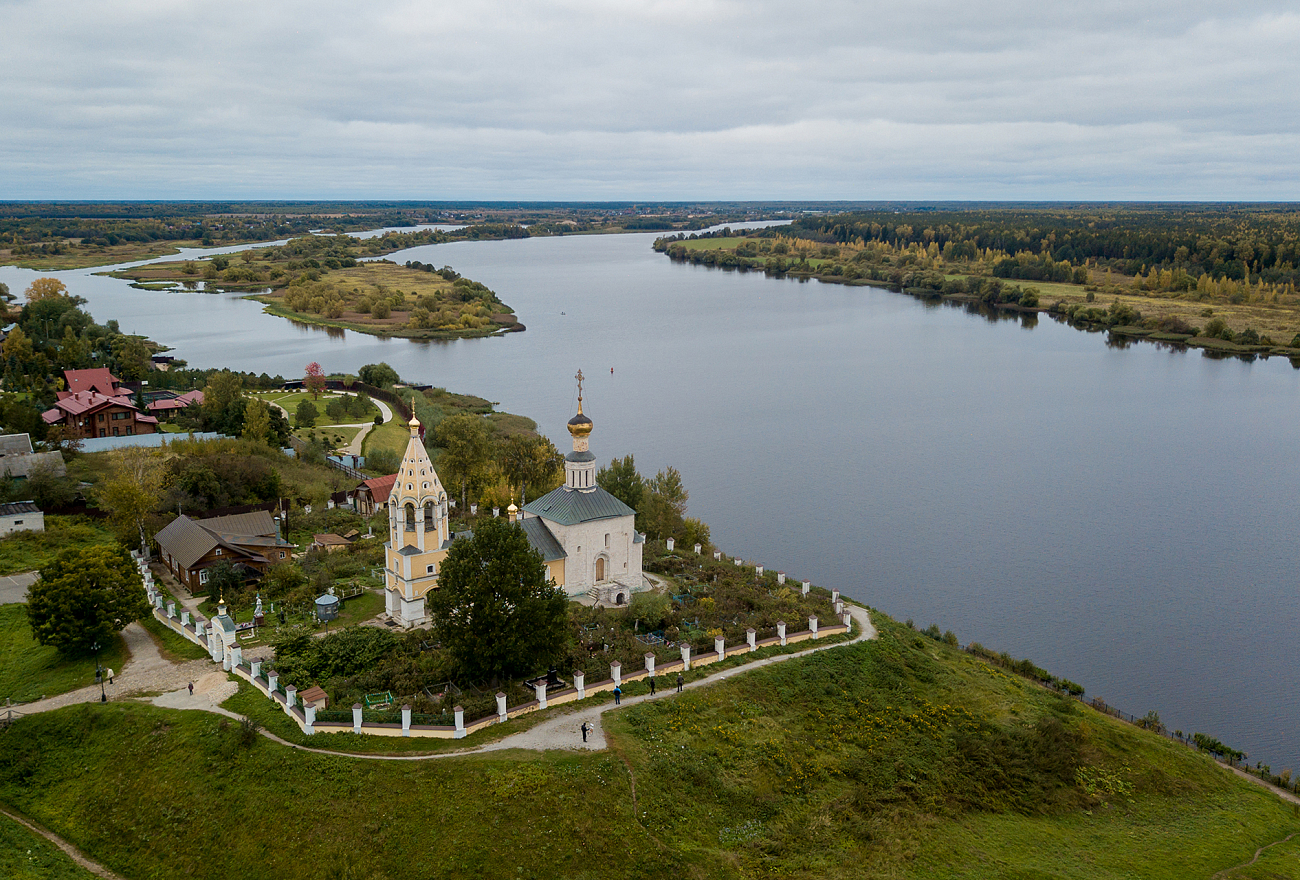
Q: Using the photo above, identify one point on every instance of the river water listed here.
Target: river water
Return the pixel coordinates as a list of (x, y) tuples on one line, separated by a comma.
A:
[(1124, 517)]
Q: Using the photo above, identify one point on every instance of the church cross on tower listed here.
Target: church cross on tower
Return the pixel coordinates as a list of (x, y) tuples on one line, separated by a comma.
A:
[(579, 378)]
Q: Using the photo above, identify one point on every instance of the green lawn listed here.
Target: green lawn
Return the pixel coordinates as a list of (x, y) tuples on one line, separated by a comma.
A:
[(171, 645), (392, 435), (897, 758), (29, 551), (29, 670), (25, 855)]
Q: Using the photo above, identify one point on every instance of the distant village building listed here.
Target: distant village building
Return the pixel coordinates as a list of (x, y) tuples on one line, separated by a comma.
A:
[(328, 543), (165, 405), (17, 460), (95, 405), (189, 547), (21, 516), (372, 495)]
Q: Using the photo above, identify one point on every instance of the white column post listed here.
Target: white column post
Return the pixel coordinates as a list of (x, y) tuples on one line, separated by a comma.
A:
[(812, 626), (540, 689), (256, 666), (758, 570), (580, 682), (199, 628), (805, 587), (669, 544), (310, 713), (460, 721), (171, 610), (752, 638), (848, 620), (686, 658), (698, 548), (185, 618), (737, 560), (290, 696), (406, 721), (225, 659), (273, 681), (720, 646), (159, 602), (650, 662), (717, 555), (236, 656), (501, 706), (780, 577), (780, 631), (616, 673), (835, 595), (356, 717)]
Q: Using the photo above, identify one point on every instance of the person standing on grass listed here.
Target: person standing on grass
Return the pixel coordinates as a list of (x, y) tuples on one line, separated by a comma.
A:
[(652, 685), (679, 682), (618, 695)]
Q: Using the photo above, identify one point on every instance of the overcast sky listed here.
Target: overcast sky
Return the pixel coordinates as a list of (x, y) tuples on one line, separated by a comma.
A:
[(679, 99)]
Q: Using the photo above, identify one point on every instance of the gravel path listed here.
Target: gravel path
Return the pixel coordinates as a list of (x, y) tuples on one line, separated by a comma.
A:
[(563, 732), (145, 672)]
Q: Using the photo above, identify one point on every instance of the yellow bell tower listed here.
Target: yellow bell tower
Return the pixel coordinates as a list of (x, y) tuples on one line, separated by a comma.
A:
[(418, 535)]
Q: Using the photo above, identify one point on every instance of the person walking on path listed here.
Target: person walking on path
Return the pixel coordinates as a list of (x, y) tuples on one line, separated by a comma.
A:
[(679, 682), (618, 695), (191, 689), (110, 675), (652, 685), (585, 728)]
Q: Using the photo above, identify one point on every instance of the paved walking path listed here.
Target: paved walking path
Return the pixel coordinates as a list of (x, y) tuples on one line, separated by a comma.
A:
[(564, 731), (145, 672), (353, 448)]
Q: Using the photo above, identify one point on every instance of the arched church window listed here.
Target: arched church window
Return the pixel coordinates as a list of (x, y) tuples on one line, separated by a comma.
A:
[(410, 517), (429, 519)]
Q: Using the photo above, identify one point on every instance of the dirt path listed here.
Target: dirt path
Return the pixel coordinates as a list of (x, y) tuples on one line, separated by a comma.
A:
[(145, 672), (1259, 852), (1284, 795), (69, 850), (564, 731)]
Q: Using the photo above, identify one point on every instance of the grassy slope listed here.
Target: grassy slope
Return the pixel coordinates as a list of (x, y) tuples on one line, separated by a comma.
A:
[(29, 670), (29, 551), (28, 856), (854, 762)]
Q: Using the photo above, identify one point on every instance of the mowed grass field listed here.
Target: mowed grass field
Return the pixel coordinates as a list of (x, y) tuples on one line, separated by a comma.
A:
[(895, 758)]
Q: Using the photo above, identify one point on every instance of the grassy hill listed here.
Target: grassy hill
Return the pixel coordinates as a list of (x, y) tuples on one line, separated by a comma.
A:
[(895, 758)]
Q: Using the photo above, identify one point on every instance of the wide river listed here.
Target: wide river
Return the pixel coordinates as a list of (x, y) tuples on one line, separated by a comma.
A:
[(1126, 518)]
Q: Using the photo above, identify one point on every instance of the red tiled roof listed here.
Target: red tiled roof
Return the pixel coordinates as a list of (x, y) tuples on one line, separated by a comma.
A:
[(380, 487), (82, 402), (99, 379)]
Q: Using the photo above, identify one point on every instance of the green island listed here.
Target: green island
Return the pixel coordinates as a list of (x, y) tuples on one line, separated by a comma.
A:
[(1220, 278)]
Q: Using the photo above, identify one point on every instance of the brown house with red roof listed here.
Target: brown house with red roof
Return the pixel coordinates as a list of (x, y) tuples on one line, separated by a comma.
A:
[(373, 494), (95, 405)]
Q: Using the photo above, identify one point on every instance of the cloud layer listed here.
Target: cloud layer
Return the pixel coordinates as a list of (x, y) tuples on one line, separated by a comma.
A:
[(676, 99)]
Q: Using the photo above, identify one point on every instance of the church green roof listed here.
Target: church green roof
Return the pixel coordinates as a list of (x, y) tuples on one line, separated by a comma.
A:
[(569, 506)]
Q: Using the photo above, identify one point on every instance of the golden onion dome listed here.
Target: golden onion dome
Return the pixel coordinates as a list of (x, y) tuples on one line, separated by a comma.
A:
[(413, 423), (580, 425)]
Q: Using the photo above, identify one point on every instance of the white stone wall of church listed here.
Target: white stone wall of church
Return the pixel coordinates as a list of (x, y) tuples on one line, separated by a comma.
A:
[(623, 556)]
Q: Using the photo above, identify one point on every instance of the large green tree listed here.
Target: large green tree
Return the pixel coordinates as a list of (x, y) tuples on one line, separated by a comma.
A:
[(621, 480), (85, 596), (665, 505), (495, 611), (466, 450), (380, 375)]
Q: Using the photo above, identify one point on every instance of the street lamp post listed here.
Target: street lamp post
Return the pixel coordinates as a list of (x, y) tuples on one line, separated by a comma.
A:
[(99, 674)]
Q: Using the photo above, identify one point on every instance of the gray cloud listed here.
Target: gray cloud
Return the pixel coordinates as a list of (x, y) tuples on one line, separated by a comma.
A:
[(649, 100)]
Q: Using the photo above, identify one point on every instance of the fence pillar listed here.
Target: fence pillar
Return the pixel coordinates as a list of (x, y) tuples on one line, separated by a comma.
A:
[(199, 628), (616, 673), (698, 548), (406, 721), (580, 682), (758, 570), (737, 560), (460, 722), (805, 587), (310, 713), (290, 696), (812, 626), (256, 667), (686, 658), (273, 681), (236, 656), (540, 689), (835, 596), (159, 602), (650, 662), (185, 618), (717, 555), (752, 638), (669, 545), (501, 707), (171, 610), (848, 620), (780, 577), (720, 647), (780, 631), (356, 717)]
